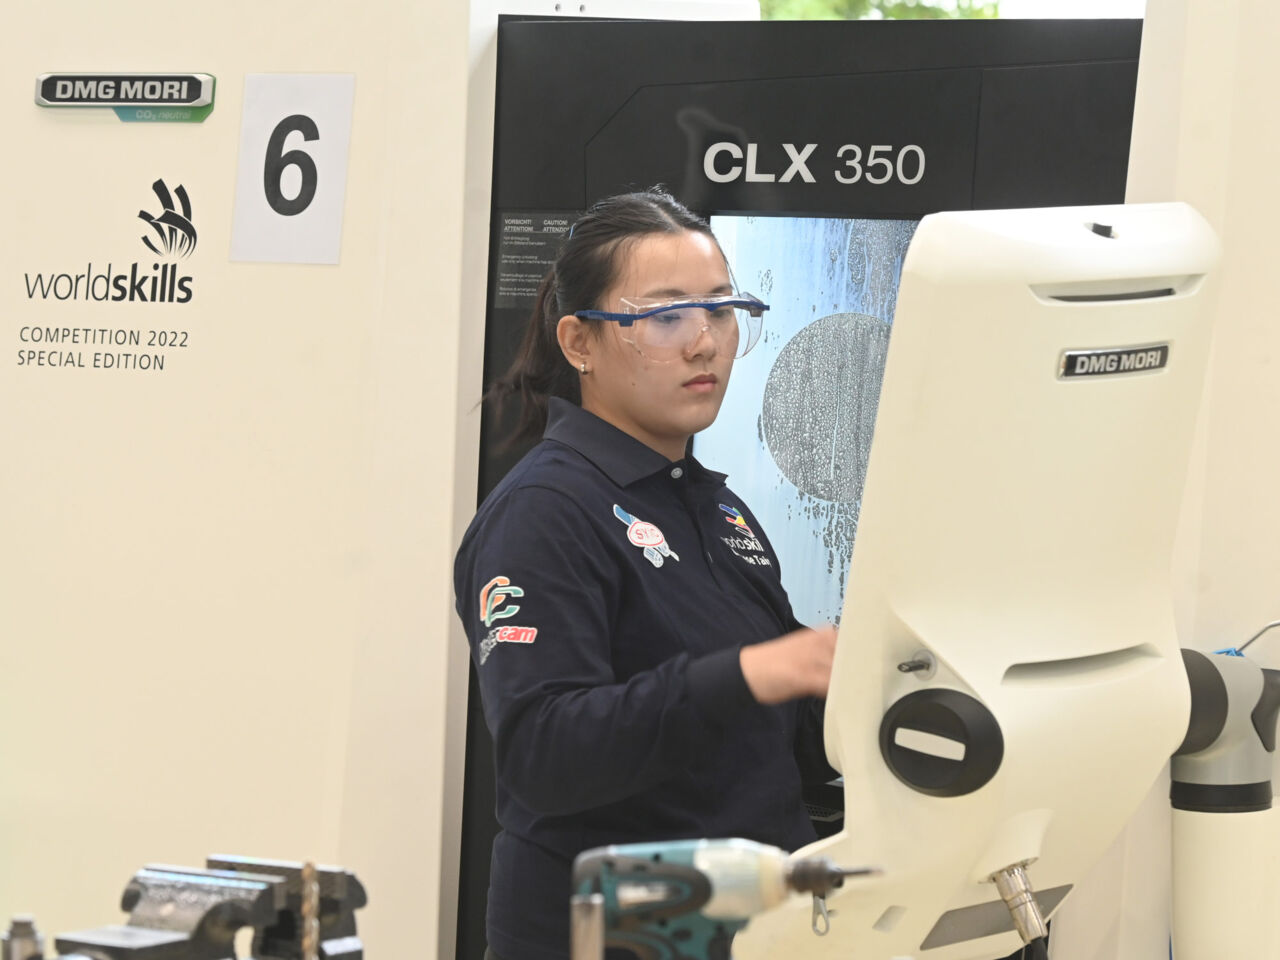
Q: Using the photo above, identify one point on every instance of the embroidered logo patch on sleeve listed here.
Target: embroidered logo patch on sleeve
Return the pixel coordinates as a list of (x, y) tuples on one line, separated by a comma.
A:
[(492, 597), (505, 635), (647, 537)]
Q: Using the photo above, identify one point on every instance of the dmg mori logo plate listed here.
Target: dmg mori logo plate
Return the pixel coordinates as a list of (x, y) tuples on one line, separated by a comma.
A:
[(124, 89), (1108, 363)]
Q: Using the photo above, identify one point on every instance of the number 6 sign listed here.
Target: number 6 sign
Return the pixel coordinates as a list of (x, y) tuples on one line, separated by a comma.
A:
[(291, 182)]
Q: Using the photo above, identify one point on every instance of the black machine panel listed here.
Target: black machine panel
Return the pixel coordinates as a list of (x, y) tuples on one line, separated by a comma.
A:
[(569, 90)]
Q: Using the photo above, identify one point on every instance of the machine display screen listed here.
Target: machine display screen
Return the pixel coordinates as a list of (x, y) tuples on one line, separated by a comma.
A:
[(794, 433)]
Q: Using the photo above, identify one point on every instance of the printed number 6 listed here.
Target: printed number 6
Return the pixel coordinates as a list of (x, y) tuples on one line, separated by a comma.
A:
[(278, 161)]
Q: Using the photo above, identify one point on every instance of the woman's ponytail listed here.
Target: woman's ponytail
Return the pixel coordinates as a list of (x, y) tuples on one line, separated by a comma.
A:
[(539, 370)]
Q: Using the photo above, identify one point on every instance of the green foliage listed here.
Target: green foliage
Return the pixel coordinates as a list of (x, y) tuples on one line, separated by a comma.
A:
[(886, 9)]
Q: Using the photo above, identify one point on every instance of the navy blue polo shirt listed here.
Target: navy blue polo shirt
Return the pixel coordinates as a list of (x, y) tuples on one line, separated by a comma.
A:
[(606, 592)]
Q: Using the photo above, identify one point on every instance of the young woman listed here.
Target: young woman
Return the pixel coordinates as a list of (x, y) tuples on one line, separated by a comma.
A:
[(641, 670)]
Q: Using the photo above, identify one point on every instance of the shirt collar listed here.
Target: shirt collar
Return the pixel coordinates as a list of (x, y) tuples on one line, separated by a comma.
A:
[(620, 456)]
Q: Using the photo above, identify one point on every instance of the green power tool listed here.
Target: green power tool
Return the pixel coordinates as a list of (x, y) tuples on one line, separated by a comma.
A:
[(685, 900)]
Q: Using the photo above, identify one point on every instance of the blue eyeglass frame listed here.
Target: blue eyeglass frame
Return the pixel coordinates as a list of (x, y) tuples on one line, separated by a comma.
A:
[(751, 304)]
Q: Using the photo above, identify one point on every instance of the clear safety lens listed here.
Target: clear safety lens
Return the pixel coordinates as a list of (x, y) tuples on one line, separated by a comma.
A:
[(667, 330)]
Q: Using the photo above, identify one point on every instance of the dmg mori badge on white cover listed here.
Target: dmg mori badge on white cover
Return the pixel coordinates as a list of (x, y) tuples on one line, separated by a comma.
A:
[(124, 89), (1105, 363)]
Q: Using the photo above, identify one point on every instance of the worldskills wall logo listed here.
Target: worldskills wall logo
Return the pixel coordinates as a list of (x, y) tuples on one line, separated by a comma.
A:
[(176, 233), (172, 237)]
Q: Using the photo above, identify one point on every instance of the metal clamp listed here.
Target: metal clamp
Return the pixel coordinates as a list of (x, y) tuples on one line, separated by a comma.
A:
[(821, 916)]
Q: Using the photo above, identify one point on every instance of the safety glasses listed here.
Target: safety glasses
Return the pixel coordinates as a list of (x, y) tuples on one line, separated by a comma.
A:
[(665, 330)]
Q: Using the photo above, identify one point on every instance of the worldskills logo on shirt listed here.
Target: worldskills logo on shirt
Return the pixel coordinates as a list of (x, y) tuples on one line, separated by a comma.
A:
[(493, 598), (735, 517), (747, 548)]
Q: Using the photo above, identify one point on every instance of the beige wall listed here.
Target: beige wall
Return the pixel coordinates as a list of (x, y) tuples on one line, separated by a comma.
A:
[(226, 616), (1238, 586), (1207, 134), (1204, 132), (225, 600)]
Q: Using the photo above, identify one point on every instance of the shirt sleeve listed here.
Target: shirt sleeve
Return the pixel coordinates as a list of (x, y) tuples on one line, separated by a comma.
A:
[(538, 591), (810, 747)]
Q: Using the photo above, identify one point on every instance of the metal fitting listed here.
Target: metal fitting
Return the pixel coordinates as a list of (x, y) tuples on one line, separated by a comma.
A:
[(1015, 890), (23, 941)]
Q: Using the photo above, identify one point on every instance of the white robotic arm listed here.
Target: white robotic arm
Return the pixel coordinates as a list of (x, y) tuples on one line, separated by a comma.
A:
[(1225, 886)]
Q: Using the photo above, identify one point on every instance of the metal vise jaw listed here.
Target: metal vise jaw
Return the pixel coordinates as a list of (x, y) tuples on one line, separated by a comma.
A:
[(341, 895), (181, 913)]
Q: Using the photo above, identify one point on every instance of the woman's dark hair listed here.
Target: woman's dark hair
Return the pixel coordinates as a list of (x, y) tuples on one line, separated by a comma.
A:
[(586, 267)]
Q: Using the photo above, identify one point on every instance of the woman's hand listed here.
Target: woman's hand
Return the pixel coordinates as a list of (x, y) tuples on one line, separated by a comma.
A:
[(795, 665)]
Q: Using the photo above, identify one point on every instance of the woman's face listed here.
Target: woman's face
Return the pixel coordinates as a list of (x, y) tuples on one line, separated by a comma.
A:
[(660, 403)]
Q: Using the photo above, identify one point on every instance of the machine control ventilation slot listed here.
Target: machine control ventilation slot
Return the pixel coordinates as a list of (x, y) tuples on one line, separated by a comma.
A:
[(1116, 291), (1109, 297), (824, 814), (1072, 669)]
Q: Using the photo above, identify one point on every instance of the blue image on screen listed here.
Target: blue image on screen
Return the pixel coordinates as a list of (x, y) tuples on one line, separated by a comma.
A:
[(794, 433)]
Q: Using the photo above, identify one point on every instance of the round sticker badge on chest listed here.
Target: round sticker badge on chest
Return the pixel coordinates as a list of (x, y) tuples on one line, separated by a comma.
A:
[(647, 537)]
